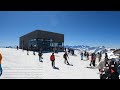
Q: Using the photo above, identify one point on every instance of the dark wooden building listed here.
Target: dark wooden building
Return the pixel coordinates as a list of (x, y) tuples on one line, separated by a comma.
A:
[(45, 40)]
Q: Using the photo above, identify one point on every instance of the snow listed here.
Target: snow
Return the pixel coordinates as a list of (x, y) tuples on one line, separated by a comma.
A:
[(18, 65)]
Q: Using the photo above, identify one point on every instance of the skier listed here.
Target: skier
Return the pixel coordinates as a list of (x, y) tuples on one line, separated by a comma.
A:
[(85, 53), (40, 56), (65, 49), (31, 47), (68, 50), (81, 55), (87, 56), (27, 51), (106, 57), (99, 56), (52, 58), (93, 58), (34, 51), (0, 64), (65, 56), (72, 51), (17, 47)]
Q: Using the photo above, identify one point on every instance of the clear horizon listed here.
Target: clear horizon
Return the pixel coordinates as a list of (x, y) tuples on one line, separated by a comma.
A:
[(92, 28)]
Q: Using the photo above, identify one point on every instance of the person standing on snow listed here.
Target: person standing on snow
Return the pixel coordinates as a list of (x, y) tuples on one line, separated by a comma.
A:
[(27, 51), (52, 58), (17, 47), (0, 64), (85, 53), (81, 55), (87, 56), (65, 56), (40, 56), (65, 49), (93, 58), (106, 57), (99, 56)]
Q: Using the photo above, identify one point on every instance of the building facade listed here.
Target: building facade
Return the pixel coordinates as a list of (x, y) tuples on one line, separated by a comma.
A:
[(42, 40)]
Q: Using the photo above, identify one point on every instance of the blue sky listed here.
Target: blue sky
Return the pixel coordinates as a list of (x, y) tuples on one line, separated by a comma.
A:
[(93, 28)]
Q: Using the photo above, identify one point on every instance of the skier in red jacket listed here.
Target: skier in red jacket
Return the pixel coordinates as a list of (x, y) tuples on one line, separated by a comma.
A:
[(52, 58)]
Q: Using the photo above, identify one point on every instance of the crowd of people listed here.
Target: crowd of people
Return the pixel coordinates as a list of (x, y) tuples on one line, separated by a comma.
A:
[(108, 68)]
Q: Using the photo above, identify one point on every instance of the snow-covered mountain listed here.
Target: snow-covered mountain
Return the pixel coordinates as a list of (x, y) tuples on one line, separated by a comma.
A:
[(101, 49)]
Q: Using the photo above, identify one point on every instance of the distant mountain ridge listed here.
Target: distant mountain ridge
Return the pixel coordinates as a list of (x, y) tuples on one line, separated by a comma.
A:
[(88, 48)]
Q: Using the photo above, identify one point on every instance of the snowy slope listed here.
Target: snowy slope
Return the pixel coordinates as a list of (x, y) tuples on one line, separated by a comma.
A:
[(19, 65)]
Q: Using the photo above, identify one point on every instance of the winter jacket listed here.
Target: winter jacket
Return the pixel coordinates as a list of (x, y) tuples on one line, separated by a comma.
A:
[(65, 56), (52, 57), (0, 58)]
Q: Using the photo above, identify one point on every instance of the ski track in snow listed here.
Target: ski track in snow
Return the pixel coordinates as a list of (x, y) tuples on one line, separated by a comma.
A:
[(18, 65)]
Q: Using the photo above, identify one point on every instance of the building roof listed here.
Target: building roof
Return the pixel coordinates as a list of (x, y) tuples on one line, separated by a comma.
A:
[(41, 31), (44, 34)]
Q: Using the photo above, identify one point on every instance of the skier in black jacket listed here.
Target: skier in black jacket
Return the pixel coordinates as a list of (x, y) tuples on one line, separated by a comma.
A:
[(65, 56)]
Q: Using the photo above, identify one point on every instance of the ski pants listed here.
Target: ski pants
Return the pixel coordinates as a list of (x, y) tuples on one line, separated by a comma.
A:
[(66, 61), (93, 62), (53, 63)]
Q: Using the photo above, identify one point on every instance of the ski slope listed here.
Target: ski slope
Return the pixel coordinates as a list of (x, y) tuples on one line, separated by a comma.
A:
[(18, 65)]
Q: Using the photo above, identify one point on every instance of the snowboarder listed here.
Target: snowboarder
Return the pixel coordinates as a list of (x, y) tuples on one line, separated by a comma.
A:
[(40, 56), (52, 58), (0, 64), (65, 56), (81, 55)]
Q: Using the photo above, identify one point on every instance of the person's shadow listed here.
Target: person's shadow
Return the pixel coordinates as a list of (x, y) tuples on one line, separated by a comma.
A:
[(56, 68)]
